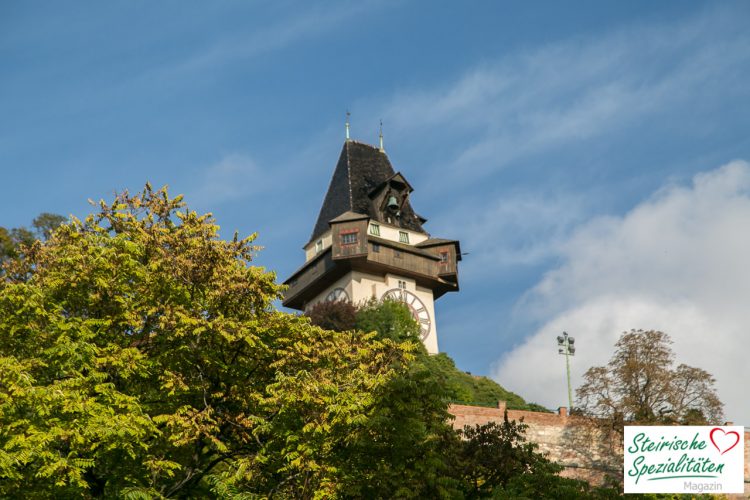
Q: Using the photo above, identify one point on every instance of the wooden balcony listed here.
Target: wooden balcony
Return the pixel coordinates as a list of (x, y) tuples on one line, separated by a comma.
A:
[(433, 265)]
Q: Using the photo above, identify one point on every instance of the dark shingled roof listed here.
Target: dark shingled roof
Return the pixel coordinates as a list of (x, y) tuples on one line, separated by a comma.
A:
[(361, 169)]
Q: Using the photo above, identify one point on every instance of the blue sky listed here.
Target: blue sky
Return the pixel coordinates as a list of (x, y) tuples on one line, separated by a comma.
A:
[(567, 145)]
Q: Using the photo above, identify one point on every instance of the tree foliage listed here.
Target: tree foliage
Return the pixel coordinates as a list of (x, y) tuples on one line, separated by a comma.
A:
[(13, 242), (489, 456), (495, 460), (641, 384), (392, 319), (45, 223), (389, 318), (427, 459), (141, 355), (336, 315)]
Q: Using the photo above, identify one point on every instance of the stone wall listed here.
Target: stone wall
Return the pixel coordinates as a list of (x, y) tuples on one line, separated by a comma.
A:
[(586, 450)]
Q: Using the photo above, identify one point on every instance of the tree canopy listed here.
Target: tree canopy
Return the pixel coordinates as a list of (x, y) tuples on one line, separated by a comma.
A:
[(141, 356), (641, 384), (13, 241)]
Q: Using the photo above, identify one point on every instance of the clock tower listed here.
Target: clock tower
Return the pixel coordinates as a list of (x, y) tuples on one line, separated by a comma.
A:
[(368, 242)]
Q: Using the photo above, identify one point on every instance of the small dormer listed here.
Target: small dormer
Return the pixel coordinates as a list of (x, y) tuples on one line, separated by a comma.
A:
[(349, 235), (389, 200)]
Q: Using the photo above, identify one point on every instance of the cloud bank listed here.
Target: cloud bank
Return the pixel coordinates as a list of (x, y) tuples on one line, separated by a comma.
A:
[(677, 262)]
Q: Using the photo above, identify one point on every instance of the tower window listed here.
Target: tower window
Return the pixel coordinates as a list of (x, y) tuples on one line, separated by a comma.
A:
[(375, 248), (319, 246), (403, 237), (402, 284), (375, 229), (443, 257), (349, 238)]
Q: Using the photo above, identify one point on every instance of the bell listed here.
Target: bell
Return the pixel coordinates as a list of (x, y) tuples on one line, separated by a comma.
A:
[(392, 203)]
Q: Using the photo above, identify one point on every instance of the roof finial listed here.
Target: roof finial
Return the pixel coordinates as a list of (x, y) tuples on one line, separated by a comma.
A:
[(382, 149), (347, 124)]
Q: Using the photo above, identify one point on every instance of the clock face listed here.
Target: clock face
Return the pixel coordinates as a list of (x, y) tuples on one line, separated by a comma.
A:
[(417, 308), (337, 294)]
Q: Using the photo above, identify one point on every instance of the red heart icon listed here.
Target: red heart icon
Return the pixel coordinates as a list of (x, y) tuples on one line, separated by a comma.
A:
[(724, 439)]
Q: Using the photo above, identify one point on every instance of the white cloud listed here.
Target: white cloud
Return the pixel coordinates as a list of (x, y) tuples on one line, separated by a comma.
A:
[(502, 123), (677, 262), (521, 228), (523, 104)]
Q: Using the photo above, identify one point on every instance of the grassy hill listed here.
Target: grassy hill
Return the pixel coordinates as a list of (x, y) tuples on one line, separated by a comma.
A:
[(475, 390)]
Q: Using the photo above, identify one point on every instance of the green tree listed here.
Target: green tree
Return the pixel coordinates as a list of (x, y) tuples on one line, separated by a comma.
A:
[(490, 455), (428, 459), (641, 384), (550, 486), (409, 449), (391, 319), (404, 448), (140, 356), (7, 245), (495, 460), (13, 241), (45, 223)]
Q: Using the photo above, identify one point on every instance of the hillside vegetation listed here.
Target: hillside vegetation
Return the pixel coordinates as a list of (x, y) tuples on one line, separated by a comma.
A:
[(465, 388), (393, 320)]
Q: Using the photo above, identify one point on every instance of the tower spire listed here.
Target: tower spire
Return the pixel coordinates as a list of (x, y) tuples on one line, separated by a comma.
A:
[(347, 124), (382, 149)]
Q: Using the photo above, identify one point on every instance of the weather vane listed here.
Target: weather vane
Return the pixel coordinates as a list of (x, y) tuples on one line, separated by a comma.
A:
[(382, 149)]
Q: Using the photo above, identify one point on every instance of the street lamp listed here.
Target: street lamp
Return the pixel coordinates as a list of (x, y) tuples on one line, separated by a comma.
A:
[(567, 349)]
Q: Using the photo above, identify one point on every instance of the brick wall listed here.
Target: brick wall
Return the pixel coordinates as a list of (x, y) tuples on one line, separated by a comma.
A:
[(585, 450)]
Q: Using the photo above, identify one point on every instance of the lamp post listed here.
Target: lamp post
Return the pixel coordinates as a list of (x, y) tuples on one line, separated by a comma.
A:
[(567, 349)]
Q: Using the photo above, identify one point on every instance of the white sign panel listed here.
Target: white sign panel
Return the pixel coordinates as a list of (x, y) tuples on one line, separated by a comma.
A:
[(684, 459)]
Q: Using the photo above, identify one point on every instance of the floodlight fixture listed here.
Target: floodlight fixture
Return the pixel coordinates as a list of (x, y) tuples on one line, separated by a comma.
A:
[(566, 348)]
